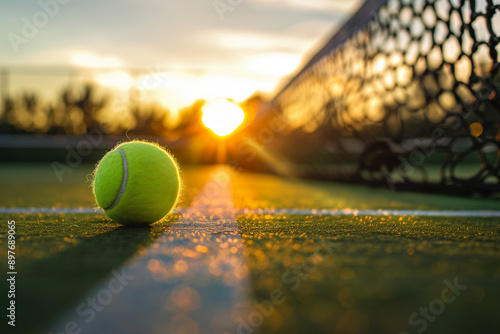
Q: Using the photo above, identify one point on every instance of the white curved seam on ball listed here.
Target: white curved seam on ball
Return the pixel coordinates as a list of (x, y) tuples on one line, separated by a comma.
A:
[(124, 181)]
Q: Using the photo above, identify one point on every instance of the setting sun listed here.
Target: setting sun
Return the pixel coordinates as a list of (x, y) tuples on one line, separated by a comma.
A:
[(222, 117)]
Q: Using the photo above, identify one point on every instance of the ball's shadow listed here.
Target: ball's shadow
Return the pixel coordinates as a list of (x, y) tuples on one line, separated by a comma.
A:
[(52, 287)]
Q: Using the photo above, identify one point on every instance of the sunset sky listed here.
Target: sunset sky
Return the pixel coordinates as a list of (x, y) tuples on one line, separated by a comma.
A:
[(188, 49)]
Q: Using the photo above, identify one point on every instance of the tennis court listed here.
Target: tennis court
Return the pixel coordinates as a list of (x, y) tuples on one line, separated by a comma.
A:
[(356, 191), (254, 253)]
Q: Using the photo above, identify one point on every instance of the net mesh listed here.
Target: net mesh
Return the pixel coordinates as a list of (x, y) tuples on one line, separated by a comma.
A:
[(405, 95)]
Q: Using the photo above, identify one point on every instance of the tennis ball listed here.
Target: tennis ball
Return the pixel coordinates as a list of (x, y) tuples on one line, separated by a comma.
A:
[(137, 183)]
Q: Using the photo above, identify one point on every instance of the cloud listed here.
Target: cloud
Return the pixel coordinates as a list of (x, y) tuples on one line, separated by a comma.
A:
[(250, 50), (343, 6), (272, 64), (235, 40), (89, 59)]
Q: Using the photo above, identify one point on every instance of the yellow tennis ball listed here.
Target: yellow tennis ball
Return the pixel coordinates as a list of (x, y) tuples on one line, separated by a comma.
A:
[(137, 183)]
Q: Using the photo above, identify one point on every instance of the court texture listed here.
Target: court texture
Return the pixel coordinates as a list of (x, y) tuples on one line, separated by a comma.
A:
[(252, 253)]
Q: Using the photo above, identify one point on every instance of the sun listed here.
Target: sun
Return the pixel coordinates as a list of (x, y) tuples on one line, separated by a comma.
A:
[(222, 117)]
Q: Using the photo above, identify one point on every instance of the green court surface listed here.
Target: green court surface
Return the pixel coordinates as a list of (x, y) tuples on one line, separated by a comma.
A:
[(252, 253)]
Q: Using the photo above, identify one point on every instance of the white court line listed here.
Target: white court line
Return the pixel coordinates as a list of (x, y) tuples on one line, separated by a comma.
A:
[(354, 212), (309, 212), (50, 210)]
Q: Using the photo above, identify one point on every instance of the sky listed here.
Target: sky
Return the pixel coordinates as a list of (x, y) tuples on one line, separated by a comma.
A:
[(186, 49)]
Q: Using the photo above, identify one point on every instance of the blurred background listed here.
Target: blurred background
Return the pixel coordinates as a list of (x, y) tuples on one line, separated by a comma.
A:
[(147, 69), (400, 94)]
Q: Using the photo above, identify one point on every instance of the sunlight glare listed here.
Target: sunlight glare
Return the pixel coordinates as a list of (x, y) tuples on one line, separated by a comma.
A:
[(117, 79), (89, 59), (222, 117)]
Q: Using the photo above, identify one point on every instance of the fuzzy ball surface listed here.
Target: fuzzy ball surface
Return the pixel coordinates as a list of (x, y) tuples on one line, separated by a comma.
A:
[(137, 183)]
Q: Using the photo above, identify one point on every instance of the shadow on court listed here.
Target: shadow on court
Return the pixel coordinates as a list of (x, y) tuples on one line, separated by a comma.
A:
[(52, 287)]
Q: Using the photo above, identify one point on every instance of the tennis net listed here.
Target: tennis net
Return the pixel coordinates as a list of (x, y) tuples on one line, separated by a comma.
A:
[(404, 95)]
